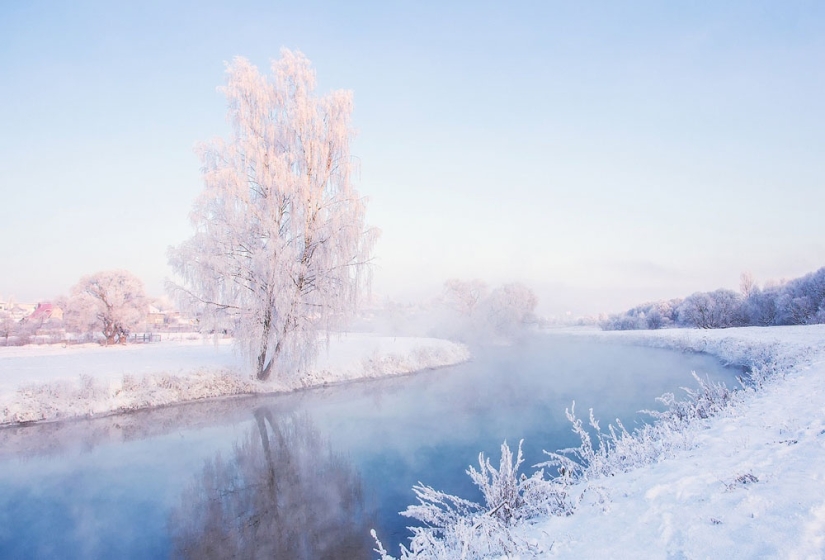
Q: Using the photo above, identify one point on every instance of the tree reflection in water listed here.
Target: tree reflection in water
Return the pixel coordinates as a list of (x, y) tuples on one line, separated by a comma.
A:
[(282, 494)]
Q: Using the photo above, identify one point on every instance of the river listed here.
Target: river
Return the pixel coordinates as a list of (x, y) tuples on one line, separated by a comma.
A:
[(308, 474)]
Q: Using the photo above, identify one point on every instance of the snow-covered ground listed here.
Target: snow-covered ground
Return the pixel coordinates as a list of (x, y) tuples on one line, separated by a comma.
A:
[(55, 382), (749, 484)]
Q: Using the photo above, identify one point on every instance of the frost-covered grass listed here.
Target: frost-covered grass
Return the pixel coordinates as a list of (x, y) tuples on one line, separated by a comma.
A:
[(719, 473), (40, 383)]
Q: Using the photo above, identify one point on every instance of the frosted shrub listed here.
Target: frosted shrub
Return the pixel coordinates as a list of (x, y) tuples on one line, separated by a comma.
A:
[(511, 497), (459, 528), (88, 388), (708, 400), (86, 396), (618, 450), (500, 487), (129, 383), (586, 461)]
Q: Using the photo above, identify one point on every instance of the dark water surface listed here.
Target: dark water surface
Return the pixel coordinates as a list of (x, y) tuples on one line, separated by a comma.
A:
[(307, 475)]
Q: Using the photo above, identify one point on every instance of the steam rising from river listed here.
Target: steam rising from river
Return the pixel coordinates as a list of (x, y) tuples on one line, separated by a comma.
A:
[(373, 440)]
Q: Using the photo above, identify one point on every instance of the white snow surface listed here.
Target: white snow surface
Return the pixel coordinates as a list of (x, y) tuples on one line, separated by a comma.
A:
[(40, 383), (749, 484)]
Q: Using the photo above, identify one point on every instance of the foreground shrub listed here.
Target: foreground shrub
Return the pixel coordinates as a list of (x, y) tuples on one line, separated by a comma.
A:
[(457, 528)]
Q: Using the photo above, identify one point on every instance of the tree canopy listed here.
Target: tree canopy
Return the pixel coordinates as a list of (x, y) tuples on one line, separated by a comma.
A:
[(112, 302), (280, 251)]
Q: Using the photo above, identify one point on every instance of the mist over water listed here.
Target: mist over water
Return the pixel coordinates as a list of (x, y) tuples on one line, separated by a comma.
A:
[(308, 474)]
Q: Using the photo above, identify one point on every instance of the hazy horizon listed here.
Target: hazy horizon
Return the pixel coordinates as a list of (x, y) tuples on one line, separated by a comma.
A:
[(603, 155)]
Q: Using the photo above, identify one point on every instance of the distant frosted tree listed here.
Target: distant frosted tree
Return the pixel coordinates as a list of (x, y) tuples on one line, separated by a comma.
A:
[(8, 326), (786, 302), (510, 307), (280, 250), (112, 302), (464, 296), (712, 310), (760, 306), (652, 315), (747, 284), (801, 299)]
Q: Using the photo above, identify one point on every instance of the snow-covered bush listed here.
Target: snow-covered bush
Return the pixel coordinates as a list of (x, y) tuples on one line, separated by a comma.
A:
[(618, 450), (459, 528), (87, 396), (709, 399), (586, 461)]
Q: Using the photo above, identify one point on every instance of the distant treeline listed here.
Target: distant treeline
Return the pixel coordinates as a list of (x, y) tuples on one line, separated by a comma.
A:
[(800, 301)]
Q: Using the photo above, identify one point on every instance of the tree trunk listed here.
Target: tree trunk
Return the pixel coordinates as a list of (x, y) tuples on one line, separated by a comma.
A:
[(264, 368), (110, 337), (265, 371)]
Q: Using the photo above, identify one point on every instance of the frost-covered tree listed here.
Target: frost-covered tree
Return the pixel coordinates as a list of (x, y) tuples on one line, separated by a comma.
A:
[(711, 310), (510, 307), (760, 307), (786, 302), (111, 302), (475, 314), (8, 326), (280, 250), (653, 315), (801, 299), (747, 284), (464, 296)]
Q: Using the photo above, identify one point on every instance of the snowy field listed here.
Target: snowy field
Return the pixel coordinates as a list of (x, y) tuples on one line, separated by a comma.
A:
[(749, 483), (54, 382)]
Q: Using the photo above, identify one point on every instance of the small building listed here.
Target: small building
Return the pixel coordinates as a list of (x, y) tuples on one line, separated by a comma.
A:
[(20, 311), (45, 311), (155, 318)]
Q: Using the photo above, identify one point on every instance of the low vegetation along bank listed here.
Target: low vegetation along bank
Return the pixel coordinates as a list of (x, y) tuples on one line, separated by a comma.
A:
[(41, 383)]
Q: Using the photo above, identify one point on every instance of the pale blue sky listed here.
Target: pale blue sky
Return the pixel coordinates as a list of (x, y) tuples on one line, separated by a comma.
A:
[(603, 154)]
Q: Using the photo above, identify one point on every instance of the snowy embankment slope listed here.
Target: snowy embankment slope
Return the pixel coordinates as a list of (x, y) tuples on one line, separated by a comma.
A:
[(54, 382), (750, 483)]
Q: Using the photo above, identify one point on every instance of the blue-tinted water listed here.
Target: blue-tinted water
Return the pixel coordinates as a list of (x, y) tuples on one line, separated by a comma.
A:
[(306, 475)]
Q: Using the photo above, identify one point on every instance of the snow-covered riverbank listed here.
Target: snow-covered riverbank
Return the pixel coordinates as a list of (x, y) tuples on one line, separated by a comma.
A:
[(719, 475), (748, 484), (39, 383)]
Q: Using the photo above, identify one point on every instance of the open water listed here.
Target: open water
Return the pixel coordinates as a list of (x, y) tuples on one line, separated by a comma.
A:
[(308, 474)]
